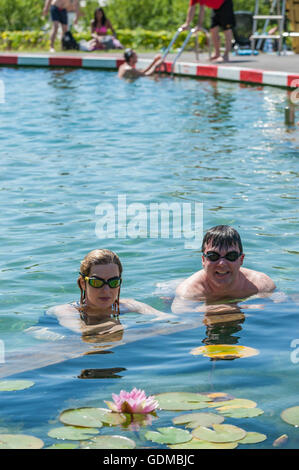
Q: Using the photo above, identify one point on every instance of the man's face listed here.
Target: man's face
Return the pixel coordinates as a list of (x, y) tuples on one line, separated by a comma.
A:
[(221, 272), (133, 59)]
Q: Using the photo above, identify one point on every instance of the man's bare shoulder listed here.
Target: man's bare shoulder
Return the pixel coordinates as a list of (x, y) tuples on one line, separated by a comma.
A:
[(128, 72), (192, 287), (261, 281)]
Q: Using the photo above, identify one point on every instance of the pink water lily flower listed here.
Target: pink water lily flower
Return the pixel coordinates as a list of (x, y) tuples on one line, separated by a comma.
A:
[(132, 402)]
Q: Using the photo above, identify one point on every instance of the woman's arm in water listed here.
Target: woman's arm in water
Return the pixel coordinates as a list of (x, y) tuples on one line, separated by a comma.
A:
[(133, 305), (69, 317)]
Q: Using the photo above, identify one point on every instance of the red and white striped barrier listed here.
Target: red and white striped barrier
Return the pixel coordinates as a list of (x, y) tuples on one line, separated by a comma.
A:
[(239, 74), (261, 77)]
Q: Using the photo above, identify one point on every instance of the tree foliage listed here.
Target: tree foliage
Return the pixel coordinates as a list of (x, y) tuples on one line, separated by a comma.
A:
[(18, 15)]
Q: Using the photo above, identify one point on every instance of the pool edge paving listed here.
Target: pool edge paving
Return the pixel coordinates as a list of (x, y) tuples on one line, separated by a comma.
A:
[(257, 76)]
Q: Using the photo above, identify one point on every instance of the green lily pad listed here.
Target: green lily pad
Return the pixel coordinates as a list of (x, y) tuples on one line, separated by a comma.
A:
[(241, 412), (193, 420), (109, 442), (200, 444), (291, 415), (72, 433), (219, 433), (91, 417), (83, 417), (234, 403), (182, 401), (170, 435), (224, 351), (253, 438), (12, 385), (20, 441), (64, 445)]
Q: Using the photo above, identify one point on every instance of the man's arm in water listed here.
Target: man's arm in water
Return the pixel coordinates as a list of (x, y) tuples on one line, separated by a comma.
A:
[(152, 66)]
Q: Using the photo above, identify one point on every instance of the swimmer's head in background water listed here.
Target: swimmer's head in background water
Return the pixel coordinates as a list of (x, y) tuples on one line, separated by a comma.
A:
[(95, 257), (222, 236), (128, 54)]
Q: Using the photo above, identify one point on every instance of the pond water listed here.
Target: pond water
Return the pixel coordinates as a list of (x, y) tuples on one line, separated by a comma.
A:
[(72, 140)]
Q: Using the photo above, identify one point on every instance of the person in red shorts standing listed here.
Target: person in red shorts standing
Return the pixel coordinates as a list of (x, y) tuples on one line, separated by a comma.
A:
[(222, 17)]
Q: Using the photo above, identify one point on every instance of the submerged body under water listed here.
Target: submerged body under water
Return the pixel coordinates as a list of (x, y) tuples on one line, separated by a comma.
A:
[(59, 362)]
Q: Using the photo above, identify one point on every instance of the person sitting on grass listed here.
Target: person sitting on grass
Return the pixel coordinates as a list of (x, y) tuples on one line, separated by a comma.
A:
[(128, 68), (99, 28)]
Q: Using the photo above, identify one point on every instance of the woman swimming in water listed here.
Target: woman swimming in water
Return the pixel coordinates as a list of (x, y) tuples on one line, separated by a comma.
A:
[(100, 305)]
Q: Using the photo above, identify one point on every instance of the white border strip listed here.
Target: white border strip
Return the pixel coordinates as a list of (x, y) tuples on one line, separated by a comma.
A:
[(229, 73), (33, 60), (275, 78), (95, 62), (185, 68)]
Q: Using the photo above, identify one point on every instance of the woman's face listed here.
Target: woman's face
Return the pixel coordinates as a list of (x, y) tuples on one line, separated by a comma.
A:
[(103, 297), (99, 15)]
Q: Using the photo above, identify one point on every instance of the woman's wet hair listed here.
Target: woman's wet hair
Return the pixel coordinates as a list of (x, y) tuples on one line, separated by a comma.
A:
[(99, 256), (128, 54), (103, 19), (94, 257), (222, 237)]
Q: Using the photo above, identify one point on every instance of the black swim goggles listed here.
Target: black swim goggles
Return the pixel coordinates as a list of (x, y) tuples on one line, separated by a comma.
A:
[(214, 256), (98, 282)]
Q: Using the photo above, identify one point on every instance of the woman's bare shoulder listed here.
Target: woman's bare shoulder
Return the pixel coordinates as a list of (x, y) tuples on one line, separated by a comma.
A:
[(67, 315), (126, 305), (64, 309)]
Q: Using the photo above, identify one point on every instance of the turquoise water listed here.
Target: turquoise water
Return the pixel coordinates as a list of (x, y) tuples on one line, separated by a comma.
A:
[(72, 139)]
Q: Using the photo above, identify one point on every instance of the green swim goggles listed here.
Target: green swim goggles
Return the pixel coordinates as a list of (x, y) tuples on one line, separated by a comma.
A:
[(98, 282)]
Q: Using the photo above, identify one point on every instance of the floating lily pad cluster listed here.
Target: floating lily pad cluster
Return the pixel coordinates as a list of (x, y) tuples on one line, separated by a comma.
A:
[(204, 430), (18, 441), (83, 424), (207, 430), (193, 429)]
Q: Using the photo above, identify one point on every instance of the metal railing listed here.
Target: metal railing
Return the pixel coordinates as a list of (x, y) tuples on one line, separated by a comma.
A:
[(182, 48)]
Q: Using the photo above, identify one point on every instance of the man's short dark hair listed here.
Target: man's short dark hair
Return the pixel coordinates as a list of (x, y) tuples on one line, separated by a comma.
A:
[(128, 54), (222, 236)]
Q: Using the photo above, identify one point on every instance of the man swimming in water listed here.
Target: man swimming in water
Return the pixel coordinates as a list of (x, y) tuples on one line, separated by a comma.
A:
[(128, 68), (222, 278)]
